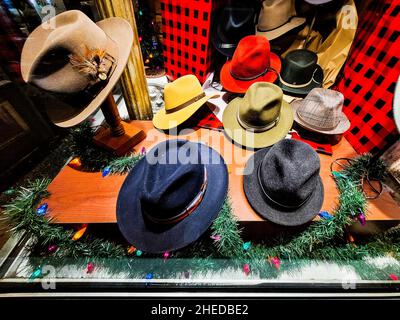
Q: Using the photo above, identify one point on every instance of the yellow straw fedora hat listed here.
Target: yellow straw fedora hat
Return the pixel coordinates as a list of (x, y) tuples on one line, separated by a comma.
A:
[(259, 119), (183, 97), (77, 61)]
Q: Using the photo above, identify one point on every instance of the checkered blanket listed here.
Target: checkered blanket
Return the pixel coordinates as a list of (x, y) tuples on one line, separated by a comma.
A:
[(370, 77)]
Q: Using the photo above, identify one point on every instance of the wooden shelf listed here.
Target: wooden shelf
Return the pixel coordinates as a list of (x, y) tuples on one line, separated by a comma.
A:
[(82, 197)]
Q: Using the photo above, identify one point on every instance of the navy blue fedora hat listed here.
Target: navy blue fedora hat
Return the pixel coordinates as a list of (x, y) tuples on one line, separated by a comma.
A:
[(172, 196)]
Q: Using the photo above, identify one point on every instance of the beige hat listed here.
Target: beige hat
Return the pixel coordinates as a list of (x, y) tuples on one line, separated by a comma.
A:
[(259, 119), (77, 61), (321, 111), (277, 17)]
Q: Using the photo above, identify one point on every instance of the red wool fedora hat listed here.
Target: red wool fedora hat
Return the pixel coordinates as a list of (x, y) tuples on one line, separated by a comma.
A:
[(252, 62)]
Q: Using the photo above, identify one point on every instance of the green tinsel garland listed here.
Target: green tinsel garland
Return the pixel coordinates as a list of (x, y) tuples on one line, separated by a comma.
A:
[(323, 240)]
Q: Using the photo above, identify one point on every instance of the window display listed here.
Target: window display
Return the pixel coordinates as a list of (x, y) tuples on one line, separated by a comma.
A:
[(247, 172)]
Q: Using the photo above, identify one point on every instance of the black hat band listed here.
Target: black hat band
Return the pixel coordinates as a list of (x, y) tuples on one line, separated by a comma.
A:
[(253, 77), (303, 85), (256, 129), (277, 202), (268, 30)]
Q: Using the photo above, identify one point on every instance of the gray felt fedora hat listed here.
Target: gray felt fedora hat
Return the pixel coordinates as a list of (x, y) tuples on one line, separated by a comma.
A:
[(284, 186)]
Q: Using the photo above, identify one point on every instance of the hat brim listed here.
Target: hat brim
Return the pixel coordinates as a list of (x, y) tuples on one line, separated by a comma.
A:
[(303, 91), (120, 32), (267, 210), (293, 23), (251, 139), (342, 127), (240, 86), (164, 121), (130, 217), (218, 45)]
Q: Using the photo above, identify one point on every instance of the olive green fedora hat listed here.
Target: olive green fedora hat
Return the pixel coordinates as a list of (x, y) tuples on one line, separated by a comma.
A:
[(259, 119)]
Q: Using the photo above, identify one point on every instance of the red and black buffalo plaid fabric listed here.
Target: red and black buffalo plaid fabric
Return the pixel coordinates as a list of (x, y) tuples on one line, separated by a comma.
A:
[(209, 121), (370, 77), (186, 32)]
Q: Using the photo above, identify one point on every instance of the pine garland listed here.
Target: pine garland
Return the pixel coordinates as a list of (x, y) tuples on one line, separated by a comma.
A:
[(123, 165), (81, 144), (226, 227), (323, 240)]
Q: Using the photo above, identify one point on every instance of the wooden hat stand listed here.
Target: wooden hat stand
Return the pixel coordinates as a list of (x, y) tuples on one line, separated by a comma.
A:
[(121, 136)]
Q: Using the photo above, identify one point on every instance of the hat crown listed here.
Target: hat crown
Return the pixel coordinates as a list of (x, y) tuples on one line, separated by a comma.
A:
[(181, 91), (289, 172), (50, 49), (234, 23), (261, 104), (251, 58), (322, 108), (275, 13), (171, 181), (299, 66)]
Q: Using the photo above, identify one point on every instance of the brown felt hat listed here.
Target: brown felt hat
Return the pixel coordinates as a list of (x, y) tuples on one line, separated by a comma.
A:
[(277, 17), (76, 60)]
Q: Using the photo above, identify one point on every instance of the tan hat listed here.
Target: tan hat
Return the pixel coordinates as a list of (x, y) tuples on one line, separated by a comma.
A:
[(321, 111), (259, 119), (183, 97), (77, 61), (277, 17)]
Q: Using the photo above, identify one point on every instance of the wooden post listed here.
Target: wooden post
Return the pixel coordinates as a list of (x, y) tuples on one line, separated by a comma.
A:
[(111, 114), (122, 136), (133, 80)]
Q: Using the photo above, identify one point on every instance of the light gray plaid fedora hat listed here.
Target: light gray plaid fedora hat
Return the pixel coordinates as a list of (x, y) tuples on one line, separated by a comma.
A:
[(321, 111)]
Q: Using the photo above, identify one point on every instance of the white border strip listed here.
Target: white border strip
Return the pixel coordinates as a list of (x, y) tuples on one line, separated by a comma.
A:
[(241, 295), (194, 281)]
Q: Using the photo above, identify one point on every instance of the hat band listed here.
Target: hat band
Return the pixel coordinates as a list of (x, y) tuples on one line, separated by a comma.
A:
[(97, 65), (268, 30), (227, 45), (313, 126), (186, 104), (253, 77), (256, 129), (189, 208), (274, 201), (303, 85)]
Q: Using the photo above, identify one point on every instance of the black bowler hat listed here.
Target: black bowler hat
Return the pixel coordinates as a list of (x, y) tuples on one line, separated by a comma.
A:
[(172, 196), (230, 24), (284, 185), (300, 73)]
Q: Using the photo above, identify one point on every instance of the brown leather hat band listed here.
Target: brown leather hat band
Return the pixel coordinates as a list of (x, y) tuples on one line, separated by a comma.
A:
[(186, 104), (188, 210)]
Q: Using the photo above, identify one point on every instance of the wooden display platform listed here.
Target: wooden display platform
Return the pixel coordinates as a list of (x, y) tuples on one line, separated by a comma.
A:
[(82, 197)]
